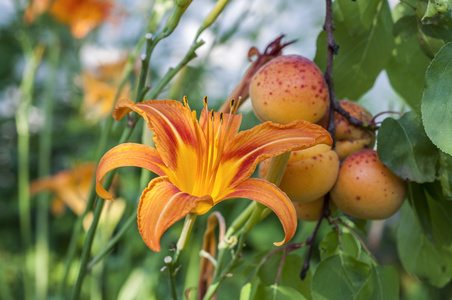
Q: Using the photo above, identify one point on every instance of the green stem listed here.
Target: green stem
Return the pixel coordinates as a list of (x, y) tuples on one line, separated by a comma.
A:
[(253, 214), (171, 277), (87, 247), (45, 149), (238, 222), (33, 57), (172, 263), (131, 220), (277, 167), (234, 263), (72, 249), (191, 54), (185, 234), (150, 45)]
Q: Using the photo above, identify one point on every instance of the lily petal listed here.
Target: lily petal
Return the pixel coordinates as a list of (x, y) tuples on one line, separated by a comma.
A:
[(271, 196), (252, 146), (124, 155), (176, 132), (161, 205)]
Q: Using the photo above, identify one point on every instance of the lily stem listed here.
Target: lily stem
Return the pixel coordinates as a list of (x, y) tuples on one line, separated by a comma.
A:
[(87, 248), (72, 249), (112, 242), (234, 263), (45, 154), (172, 279), (239, 221), (172, 263), (185, 234), (33, 58), (253, 214)]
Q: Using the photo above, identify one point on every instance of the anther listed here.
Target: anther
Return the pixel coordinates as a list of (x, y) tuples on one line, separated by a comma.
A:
[(205, 102), (221, 118), (185, 101), (232, 105), (212, 115)]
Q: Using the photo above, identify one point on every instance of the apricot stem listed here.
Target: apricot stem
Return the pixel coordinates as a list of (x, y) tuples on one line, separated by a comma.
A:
[(372, 122), (310, 240), (332, 49)]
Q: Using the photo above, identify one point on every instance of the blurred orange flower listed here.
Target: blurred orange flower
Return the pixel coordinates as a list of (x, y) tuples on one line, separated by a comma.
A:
[(70, 187), (99, 89), (34, 8), (81, 15)]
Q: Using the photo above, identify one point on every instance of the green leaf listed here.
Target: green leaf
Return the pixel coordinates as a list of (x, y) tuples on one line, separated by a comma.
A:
[(406, 27), (434, 10), (382, 283), (290, 273), (276, 292), (405, 148), (249, 290), (418, 255), (407, 58), (419, 203), (329, 246), (364, 35), (437, 100), (441, 215), (445, 174), (430, 45), (339, 276)]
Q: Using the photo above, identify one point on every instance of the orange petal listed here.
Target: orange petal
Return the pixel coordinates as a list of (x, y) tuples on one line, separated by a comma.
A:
[(81, 15), (271, 196), (175, 131), (161, 205), (269, 139), (124, 155)]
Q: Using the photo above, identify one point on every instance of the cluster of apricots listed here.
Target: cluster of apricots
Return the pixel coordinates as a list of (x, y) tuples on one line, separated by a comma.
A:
[(292, 87)]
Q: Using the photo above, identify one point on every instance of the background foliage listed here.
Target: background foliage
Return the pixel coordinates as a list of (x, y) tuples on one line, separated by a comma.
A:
[(393, 56)]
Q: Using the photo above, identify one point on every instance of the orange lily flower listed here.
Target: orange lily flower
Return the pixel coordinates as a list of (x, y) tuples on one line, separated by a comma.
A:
[(34, 8), (99, 89), (71, 188), (81, 15), (203, 163)]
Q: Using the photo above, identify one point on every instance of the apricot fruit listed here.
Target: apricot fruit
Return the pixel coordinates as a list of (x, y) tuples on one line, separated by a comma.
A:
[(310, 211), (350, 138), (310, 173), (366, 188), (289, 88)]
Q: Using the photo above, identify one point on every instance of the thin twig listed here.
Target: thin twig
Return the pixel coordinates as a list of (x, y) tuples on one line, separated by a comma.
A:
[(332, 49), (310, 240)]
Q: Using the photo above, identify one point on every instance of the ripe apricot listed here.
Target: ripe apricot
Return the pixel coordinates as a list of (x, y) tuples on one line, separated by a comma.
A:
[(289, 88), (350, 138), (309, 174), (310, 211), (366, 188)]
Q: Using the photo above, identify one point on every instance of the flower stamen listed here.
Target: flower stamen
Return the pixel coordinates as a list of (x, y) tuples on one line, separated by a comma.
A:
[(222, 141)]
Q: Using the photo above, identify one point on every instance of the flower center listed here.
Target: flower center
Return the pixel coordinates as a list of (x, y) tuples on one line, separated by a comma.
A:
[(216, 131)]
